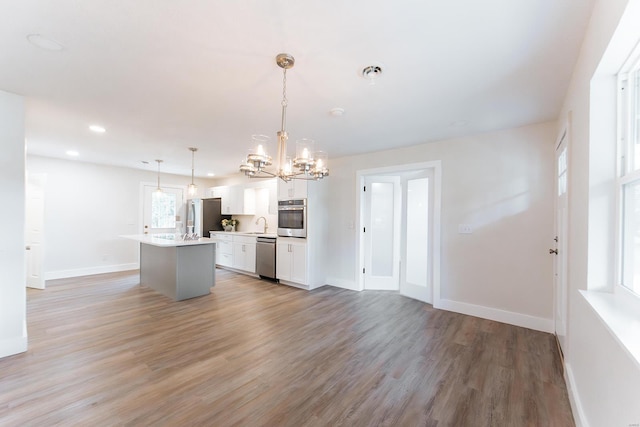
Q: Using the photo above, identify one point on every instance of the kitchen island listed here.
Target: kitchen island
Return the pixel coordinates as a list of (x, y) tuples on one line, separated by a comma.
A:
[(179, 269)]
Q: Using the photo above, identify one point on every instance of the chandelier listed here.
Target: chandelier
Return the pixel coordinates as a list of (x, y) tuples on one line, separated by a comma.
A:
[(308, 164)]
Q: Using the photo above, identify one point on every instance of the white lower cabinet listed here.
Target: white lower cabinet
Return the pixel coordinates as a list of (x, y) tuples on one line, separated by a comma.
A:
[(224, 249), (244, 253), (291, 260)]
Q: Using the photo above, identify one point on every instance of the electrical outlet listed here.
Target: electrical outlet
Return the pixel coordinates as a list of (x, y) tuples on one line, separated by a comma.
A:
[(465, 229)]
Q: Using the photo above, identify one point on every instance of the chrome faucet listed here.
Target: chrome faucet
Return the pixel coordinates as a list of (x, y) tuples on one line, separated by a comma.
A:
[(265, 223)]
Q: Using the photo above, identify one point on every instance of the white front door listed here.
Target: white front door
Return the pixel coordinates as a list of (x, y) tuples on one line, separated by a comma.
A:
[(34, 227), (381, 232), (559, 246), (160, 209), (416, 272)]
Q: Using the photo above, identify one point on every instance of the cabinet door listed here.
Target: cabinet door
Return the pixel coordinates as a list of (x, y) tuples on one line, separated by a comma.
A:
[(226, 199), (294, 189), (238, 256), (299, 189), (283, 261), (248, 201), (249, 257), (244, 256), (299, 263)]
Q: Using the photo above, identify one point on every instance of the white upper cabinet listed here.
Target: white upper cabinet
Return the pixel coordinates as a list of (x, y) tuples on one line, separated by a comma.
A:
[(236, 199), (294, 189)]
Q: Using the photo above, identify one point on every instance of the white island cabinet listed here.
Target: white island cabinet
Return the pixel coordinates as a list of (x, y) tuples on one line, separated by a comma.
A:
[(179, 269)]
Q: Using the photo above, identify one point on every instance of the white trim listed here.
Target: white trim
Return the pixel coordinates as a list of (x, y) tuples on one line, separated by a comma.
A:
[(89, 271), (579, 417), (351, 285), (620, 313), (9, 347), (503, 316)]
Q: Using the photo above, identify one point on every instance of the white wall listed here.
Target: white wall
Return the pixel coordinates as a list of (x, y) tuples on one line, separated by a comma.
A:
[(13, 333), (603, 378), (502, 184), (87, 206)]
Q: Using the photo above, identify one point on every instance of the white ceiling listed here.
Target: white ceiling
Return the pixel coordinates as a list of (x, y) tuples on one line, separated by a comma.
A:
[(164, 75)]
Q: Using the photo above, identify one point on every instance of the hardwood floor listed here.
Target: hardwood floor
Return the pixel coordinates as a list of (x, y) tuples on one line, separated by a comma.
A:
[(105, 351)]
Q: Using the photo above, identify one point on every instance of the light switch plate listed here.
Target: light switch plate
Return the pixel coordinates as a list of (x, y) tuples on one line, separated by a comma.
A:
[(465, 229)]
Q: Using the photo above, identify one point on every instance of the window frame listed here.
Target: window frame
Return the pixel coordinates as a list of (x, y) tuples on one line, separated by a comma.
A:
[(628, 130)]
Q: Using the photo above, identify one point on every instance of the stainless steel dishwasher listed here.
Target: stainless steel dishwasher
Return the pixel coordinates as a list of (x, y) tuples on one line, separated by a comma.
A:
[(266, 257)]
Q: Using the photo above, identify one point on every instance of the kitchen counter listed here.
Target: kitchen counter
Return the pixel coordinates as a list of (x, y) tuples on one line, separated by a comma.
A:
[(246, 233), (168, 240), (179, 269)]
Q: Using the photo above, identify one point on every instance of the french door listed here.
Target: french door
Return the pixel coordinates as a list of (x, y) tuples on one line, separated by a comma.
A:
[(381, 232), (399, 214), (416, 272)]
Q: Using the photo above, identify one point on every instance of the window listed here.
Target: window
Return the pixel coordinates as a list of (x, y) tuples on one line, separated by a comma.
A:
[(629, 182), (163, 210)]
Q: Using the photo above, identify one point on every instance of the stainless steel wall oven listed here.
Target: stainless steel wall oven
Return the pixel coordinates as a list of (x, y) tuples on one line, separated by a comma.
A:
[(292, 218)]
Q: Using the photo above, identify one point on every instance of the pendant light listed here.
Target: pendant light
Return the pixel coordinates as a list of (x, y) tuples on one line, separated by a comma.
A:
[(192, 189), (310, 165), (158, 190)]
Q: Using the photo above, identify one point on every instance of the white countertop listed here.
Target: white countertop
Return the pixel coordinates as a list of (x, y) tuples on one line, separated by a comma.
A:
[(168, 240), (246, 233)]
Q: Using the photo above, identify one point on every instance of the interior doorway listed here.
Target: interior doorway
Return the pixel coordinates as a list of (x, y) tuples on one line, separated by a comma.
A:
[(34, 229), (399, 222)]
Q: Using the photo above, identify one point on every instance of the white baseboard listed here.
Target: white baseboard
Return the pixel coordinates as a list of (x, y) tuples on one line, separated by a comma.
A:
[(341, 283), (576, 406), (503, 316), (9, 347), (88, 271)]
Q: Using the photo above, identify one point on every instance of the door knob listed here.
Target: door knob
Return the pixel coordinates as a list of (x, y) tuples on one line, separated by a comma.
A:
[(553, 251)]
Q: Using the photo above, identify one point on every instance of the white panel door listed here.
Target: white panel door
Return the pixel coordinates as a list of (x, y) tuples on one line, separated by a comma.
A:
[(160, 209), (381, 232), (34, 225), (560, 249), (416, 277)]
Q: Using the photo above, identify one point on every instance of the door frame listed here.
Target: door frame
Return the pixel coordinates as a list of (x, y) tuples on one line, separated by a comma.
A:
[(564, 137), (436, 165)]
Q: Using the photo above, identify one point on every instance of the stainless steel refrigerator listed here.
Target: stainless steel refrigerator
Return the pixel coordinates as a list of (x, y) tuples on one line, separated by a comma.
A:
[(205, 215)]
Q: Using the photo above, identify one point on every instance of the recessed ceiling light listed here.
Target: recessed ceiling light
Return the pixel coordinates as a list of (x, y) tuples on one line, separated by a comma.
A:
[(211, 174), (45, 43), (459, 123), (372, 72), (97, 129), (73, 153), (336, 112)]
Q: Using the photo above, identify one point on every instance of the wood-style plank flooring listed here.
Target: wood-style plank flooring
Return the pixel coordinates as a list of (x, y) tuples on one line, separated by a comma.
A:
[(104, 351)]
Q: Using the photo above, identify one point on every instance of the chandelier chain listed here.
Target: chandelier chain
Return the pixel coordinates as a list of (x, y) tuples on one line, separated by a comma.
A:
[(284, 88)]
